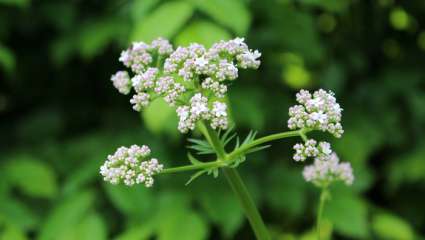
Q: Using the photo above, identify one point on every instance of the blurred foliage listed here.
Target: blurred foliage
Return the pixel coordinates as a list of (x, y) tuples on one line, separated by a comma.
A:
[(60, 117)]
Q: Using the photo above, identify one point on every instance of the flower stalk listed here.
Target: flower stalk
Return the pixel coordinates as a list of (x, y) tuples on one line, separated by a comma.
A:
[(323, 197), (238, 187)]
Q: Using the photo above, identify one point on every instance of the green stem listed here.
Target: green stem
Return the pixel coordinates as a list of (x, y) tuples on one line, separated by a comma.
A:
[(265, 139), (248, 205), (192, 167), (237, 185), (323, 196), (214, 140)]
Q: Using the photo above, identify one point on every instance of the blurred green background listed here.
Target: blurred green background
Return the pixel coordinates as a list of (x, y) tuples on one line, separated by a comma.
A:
[(61, 116)]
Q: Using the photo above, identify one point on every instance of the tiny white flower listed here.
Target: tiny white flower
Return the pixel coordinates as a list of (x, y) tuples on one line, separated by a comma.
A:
[(239, 41), (201, 62), (319, 117)]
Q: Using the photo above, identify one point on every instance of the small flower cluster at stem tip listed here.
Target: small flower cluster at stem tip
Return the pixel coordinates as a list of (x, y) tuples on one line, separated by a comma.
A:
[(319, 111), (194, 79), (323, 172), (131, 166)]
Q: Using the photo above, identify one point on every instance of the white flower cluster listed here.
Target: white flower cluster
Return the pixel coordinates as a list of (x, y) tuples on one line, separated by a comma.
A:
[(194, 79), (311, 149), (130, 166), (328, 170), (316, 111)]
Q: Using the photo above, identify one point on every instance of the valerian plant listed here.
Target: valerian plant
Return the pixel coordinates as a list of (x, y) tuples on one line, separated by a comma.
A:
[(194, 80)]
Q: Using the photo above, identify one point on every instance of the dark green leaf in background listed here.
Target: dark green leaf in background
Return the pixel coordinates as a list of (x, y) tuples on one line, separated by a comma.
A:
[(7, 59), (203, 32), (165, 21), (388, 226), (32, 176), (65, 218), (348, 213), (230, 13)]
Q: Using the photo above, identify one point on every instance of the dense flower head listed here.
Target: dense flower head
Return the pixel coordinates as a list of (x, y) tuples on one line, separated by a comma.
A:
[(194, 79), (325, 171), (312, 149), (318, 111), (131, 166)]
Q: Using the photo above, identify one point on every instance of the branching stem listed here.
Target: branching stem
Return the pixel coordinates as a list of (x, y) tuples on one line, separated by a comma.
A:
[(227, 159)]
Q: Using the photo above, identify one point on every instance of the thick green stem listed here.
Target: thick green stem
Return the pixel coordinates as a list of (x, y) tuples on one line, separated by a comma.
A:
[(323, 197), (247, 203), (238, 187)]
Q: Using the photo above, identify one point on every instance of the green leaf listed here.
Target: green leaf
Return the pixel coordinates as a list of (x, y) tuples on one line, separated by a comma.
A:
[(408, 168), (92, 227), (31, 176), (11, 232), (192, 159), (160, 118), (185, 224), (286, 198), (174, 217), (66, 216), (143, 231), (201, 146), (363, 137), (223, 209), (195, 176), (164, 21), (133, 202), (388, 226), (230, 13), (95, 36), (303, 38), (249, 112), (86, 173), (7, 58), (141, 8), (348, 213), (16, 213), (202, 32)]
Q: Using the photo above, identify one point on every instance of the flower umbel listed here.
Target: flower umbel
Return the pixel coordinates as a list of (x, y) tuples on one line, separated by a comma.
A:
[(318, 111), (130, 166), (194, 79), (327, 170)]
